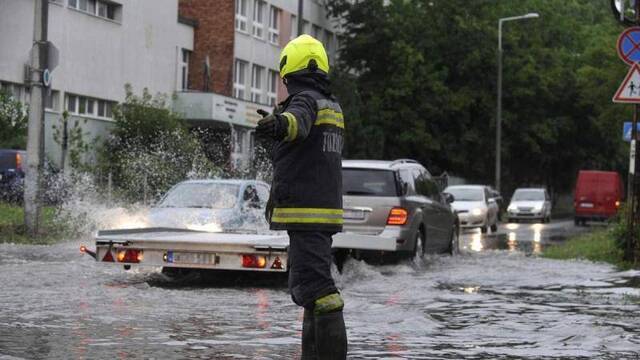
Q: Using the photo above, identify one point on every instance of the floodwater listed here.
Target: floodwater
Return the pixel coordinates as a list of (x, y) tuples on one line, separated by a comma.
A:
[(497, 299)]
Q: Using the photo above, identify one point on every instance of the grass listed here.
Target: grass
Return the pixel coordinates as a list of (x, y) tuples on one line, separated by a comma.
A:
[(12, 229), (599, 245)]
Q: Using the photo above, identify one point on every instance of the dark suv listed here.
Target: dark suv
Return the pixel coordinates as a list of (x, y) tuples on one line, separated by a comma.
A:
[(398, 199), (12, 174)]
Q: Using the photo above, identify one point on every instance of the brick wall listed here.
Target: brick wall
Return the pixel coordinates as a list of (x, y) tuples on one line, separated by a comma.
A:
[(214, 36)]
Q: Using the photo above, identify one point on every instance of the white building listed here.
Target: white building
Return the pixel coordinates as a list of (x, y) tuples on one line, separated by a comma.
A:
[(103, 46)]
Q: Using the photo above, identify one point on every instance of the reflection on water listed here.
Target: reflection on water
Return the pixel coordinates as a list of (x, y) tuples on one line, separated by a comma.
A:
[(481, 304)]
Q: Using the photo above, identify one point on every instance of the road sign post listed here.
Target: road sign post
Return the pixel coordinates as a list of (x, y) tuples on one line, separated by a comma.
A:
[(628, 47)]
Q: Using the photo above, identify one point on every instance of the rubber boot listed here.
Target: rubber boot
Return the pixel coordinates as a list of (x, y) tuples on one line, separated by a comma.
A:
[(331, 336), (308, 336)]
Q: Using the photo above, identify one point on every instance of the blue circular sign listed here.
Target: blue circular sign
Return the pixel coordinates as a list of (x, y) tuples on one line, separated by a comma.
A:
[(629, 45)]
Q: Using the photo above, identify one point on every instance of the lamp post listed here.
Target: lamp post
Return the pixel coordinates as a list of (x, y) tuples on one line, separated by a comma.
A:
[(499, 106)]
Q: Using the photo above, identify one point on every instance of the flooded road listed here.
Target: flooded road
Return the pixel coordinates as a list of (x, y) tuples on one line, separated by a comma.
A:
[(497, 299)]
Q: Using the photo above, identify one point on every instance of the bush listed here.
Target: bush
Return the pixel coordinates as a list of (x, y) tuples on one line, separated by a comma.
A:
[(150, 149), (13, 122)]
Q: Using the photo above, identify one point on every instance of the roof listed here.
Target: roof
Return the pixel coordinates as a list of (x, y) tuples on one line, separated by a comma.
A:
[(222, 181), (467, 187), (379, 164)]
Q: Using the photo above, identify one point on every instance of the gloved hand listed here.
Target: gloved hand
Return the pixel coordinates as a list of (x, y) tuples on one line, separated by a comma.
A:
[(271, 126)]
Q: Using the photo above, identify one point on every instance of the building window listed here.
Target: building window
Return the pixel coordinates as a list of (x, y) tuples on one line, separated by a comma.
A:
[(305, 27), (82, 105), (316, 32), (103, 9), (272, 87), (241, 15), (258, 18), (328, 43), (274, 28), (294, 27), (51, 100), (239, 76), (256, 83), (184, 69)]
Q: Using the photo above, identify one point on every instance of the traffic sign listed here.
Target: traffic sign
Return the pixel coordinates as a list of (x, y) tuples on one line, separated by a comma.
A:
[(629, 45), (46, 78), (626, 130), (629, 90)]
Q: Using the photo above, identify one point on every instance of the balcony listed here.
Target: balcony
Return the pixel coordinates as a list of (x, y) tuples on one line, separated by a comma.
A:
[(210, 107)]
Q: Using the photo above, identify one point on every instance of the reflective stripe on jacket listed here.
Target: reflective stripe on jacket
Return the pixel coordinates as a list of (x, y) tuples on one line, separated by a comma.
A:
[(307, 183)]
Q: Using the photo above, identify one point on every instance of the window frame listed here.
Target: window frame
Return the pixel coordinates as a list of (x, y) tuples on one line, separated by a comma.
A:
[(274, 25), (257, 79), (272, 87), (257, 28), (241, 18), (240, 87)]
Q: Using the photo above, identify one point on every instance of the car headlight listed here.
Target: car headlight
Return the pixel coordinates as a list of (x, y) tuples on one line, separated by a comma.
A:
[(511, 208), (537, 208), (476, 212)]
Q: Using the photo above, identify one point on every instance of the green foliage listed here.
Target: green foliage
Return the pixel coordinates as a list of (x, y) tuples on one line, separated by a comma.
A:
[(73, 142), (598, 245), (13, 122), (425, 86), (13, 230), (150, 149)]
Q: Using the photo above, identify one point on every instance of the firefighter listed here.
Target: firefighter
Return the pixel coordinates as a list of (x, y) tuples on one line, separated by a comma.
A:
[(306, 194)]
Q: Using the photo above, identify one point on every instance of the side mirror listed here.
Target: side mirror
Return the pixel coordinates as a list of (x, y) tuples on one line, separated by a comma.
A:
[(491, 201), (449, 198)]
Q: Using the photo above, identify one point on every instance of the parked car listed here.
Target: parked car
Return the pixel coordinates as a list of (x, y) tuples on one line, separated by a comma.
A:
[(475, 206), (213, 205), (530, 204), (597, 196), (12, 174), (398, 199)]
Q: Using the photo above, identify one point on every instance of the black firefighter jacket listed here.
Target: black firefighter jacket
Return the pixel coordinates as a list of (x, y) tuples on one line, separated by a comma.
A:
[(306, 192)]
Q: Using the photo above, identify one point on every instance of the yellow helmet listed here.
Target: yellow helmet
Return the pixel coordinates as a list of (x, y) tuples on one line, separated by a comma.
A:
[(299, 53)]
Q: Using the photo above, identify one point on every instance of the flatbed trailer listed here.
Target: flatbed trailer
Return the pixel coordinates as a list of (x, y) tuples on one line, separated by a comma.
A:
[(181, 248)]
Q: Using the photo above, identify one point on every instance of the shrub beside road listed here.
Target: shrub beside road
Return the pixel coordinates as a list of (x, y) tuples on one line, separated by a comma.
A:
[(12, 229)]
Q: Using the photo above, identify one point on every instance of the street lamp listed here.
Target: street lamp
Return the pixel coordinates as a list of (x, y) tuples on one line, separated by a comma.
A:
[(499, 107)]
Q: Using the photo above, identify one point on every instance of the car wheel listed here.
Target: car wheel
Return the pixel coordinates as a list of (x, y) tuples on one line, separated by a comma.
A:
[(576, 221), (454, 242), (419, 246)]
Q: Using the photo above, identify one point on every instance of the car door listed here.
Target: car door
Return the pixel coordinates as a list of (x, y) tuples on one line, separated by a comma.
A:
[(432, 210)]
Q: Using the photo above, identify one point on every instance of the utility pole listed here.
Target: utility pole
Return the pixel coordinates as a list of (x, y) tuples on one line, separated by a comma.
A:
[(300, 17), (630, 253), (35, 139)]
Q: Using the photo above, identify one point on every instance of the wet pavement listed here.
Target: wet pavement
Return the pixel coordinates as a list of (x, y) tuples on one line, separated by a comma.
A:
[(498, 299)]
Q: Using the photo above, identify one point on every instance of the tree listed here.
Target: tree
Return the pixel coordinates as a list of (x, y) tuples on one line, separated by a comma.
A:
[(422, 84), (150, 148), (13, 122)]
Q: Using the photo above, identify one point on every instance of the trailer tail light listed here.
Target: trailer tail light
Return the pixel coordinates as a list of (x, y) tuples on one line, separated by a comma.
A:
[(254, 261), (277, 264), (129, 255), (397, 216), (84, 250), (18, 162)]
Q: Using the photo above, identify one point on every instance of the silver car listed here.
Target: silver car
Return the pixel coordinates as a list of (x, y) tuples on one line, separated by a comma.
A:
[(213, 205), (530, 203), (475, 206), (398, 199)]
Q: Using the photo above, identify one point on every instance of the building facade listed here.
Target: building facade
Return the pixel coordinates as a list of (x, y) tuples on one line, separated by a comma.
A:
[(218, 57), (103, 45), (234, 67)]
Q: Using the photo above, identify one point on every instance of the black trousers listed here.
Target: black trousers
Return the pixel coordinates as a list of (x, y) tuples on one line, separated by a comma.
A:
[(310, 266)]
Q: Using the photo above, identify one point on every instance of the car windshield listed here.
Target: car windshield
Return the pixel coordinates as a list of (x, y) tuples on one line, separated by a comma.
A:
[(528, 195), (199, 195), (466, 194), (367, 182)]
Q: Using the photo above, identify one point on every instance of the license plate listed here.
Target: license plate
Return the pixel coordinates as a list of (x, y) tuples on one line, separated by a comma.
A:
[(353, 214), (194, 258), (586, 205)]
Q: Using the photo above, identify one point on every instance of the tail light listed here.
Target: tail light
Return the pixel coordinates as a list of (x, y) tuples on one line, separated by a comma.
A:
[(18, 161), (129, 255), (84, 250), (254, 261), (617, 203), (397, 216)]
